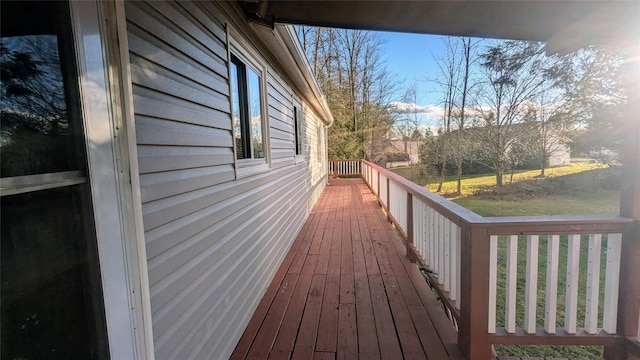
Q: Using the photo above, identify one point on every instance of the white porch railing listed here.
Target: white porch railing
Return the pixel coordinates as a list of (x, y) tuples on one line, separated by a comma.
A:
[(339, 168), (473, 265)]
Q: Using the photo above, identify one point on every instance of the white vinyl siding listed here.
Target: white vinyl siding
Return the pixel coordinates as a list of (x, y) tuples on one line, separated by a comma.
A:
[(280, 102), (213, 242)]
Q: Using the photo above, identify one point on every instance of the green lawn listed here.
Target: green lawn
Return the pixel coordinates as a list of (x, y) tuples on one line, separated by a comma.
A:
[(582, 188), (472, 183), (584, 203)]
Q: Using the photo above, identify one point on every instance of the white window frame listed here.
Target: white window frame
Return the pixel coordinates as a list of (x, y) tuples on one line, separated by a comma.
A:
[(107, 112), (242, 51)]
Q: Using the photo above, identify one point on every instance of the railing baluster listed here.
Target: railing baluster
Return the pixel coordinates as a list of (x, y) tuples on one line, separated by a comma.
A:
[(611, 283), (553, 246), (593, 284), (419, 225), (432, 237), (573, 269), (493, 281), (436, 242), (453, 255), (512, 272), (424, 233), (531, 284), (441, 240), (446, 244)]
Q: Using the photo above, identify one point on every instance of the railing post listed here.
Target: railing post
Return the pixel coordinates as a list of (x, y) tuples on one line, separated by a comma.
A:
[(474, 292), (629, 295), (411, 255)]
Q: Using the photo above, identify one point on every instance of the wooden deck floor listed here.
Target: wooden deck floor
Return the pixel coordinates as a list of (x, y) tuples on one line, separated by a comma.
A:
[(346, 290)]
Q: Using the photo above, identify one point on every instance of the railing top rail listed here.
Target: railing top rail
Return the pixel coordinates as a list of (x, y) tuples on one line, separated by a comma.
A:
[(510, 225), (449, 209), (561, 224)]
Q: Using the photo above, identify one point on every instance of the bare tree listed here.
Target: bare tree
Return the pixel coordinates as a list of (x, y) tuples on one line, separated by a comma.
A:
[(350, 70), (514, 74), (448, 80), (466, 47)]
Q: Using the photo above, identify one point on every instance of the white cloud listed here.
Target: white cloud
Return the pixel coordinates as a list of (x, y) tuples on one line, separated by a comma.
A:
[(411, 108)]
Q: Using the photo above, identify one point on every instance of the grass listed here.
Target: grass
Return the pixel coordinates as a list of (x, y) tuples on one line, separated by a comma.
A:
[(597, 202), (581, 188)]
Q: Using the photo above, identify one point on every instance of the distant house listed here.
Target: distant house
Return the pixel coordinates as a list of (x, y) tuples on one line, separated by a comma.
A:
[(560, 156), (158, 161), (396, 153), (529, 145)]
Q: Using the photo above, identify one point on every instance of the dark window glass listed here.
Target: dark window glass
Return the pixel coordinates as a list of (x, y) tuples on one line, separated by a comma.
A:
[(246, 111), (38, 133), (51, 303), (49, 307), (297, 123)]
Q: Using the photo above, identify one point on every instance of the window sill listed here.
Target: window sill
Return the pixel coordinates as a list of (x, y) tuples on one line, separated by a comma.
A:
[(248, 167)]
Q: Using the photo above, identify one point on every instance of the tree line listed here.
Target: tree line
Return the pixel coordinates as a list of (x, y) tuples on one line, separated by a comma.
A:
[(504, 104)]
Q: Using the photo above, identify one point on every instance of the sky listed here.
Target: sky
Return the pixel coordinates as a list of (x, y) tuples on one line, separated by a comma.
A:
[(410, 57)]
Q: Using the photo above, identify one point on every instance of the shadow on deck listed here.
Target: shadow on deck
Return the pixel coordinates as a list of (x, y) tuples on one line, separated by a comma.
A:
[(346, 290)]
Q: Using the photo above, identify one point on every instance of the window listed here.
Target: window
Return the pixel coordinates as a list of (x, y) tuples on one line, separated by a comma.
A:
[(297, 123), (248, 127), (319, 146), (51, 295)]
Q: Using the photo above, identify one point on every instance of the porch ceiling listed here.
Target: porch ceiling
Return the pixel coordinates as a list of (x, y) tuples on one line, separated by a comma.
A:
[(565, 25)]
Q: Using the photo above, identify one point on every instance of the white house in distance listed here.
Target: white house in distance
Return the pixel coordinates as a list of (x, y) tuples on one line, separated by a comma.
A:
[(148, 206), (406, 150)]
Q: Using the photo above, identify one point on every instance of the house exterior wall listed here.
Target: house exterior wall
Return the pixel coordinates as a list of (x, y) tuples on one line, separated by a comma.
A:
[(560, 156), (214, 239)]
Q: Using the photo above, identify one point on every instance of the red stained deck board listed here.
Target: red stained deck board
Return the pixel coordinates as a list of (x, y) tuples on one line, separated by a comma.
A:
[(263, 341), (328, 325), (306, 341), (367, 339), (291, 322), (385, 328), (350, 291), (279, 355), (320, 355), (347, 332), (431, 343)]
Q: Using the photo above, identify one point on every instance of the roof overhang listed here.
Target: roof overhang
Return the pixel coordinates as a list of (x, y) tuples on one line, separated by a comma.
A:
[(565, 25), (284, 46)]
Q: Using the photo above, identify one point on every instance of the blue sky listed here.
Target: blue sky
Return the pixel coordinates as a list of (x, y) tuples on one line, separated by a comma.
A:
[(411, 57)]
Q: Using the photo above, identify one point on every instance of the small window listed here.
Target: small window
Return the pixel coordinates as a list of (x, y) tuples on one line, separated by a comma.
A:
[(297, 122), (319, 146), (248, 127)]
